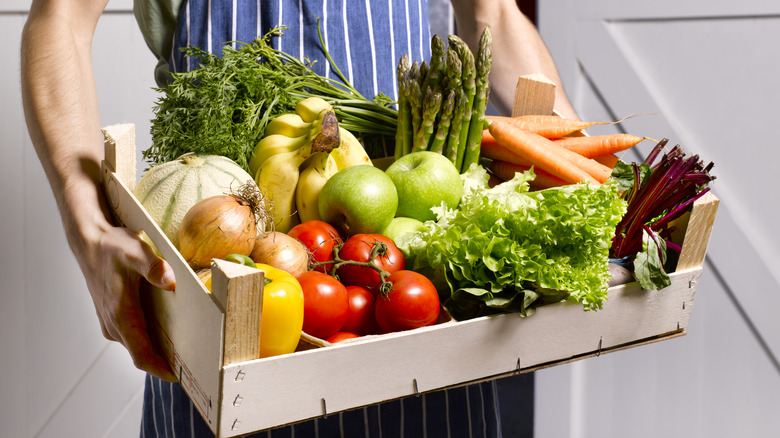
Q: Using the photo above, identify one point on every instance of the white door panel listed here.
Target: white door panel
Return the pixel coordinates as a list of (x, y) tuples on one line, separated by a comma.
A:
[(703, 68)]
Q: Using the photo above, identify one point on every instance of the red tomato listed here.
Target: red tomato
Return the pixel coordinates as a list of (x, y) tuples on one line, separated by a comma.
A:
[(325, 304), (412, 302), (320, 238), (358, 248), (360, 317), (340, 336)]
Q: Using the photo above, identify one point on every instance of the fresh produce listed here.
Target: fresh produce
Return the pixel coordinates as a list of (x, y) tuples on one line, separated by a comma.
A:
[(595, 146), (360, 316), (505, 247), (506, 170), (221, 225), (358, 199), (293, 170), (222, 107), (319, 238), (402, 225), (549, 126), (326, 304), (281, 320), (412, 302), (341, 336), (375, 249), (279, 174), (545, 154), (280, 251), (441, 106), (169, 190), (423, 180), (656, 194), (314, 174)]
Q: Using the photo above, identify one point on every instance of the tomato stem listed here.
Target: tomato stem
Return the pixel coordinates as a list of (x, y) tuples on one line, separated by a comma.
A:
[(378, 249)]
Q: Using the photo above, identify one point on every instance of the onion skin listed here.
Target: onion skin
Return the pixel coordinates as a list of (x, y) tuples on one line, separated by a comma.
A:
[(282, 252), (216, 227)]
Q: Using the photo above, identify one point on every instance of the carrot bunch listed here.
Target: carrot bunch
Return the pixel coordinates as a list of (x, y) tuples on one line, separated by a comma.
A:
[(514, 144)]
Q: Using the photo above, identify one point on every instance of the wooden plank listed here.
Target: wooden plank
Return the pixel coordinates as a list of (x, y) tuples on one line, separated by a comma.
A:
[(120, 151), (534, 94), (242, 301), (698, 231), (188, 324), (286, 389)]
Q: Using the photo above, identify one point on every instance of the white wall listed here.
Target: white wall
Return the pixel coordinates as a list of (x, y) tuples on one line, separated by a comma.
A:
[(58, 375)]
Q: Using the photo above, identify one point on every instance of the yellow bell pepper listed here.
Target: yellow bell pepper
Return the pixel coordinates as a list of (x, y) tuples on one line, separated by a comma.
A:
[(281, 321)]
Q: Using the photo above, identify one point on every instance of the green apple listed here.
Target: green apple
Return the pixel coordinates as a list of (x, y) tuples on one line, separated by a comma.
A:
[(358, 199), (423, 180), (402, 225)]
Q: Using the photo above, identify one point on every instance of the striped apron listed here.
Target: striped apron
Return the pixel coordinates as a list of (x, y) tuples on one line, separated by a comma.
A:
[(365, 39)]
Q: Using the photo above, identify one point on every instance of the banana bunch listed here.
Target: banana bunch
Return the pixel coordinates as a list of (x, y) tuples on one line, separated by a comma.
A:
[(298, 153)]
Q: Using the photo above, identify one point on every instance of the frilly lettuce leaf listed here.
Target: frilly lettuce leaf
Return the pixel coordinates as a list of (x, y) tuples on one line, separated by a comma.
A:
[(506, 247)]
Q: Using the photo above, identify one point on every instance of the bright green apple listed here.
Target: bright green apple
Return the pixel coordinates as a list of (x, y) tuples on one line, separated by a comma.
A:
[(423, 180), (402, 225), (358, 199)]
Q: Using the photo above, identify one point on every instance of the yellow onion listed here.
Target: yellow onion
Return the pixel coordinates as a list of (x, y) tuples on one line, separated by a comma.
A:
[(282, 252), (221, 225)]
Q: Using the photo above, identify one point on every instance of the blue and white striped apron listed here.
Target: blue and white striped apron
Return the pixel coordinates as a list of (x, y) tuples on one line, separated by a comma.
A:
[(365, 38)]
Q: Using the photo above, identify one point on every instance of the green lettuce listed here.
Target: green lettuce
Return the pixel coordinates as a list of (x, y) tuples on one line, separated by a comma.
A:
[(508, 249)]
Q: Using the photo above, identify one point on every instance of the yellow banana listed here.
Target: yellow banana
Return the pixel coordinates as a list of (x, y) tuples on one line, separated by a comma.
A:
[(288, 125), (309, 109), (350, 152), (278, 175), (314, 175), (274, 144)]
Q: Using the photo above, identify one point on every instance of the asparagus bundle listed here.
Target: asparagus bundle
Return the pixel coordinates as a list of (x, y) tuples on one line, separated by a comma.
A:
[(441, 104)]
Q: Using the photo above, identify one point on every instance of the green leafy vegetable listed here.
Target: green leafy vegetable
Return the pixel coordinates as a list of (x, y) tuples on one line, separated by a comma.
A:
[(506, 248), (222, 106)]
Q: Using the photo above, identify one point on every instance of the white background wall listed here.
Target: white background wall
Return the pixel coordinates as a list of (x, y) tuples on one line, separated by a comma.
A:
[(706, 68)]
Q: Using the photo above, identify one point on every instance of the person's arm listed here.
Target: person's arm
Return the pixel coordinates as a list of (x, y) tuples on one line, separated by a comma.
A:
[(61, 109), (518, 49)]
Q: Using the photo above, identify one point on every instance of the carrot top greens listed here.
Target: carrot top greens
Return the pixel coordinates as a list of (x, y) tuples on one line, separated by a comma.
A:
[(222, 106)]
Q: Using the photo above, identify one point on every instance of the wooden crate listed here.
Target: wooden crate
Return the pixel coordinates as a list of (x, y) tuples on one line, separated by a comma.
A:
[(211, 340)]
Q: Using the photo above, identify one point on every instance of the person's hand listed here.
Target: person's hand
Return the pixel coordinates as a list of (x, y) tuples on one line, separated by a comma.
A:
[(115, 264)]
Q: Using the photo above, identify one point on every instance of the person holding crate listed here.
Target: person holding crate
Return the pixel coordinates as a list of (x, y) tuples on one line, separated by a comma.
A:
[(63, 120)]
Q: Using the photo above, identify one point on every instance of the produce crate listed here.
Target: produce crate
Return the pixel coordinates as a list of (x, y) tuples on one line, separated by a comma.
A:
[(211, 339)]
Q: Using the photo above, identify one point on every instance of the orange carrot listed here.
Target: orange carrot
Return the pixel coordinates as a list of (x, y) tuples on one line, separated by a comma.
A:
[(506, 171), (547, 126), (599, 145), (608, 160), (495, 151), (543, 153)]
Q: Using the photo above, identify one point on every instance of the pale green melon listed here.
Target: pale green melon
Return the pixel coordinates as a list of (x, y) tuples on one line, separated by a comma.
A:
[(167, 191)]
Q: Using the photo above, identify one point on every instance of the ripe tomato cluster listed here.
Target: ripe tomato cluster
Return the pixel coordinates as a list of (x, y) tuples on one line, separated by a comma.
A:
[(360, 286)]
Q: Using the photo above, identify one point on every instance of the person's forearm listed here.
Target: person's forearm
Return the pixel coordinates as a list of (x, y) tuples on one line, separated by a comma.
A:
[(517, 49), (61, 109)]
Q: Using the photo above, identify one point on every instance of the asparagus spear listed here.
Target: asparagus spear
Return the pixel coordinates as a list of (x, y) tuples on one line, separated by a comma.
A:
[(443, 127), (430, 109), (436, 69), (403, 134), (453, 139), (468, 77), (414, 94), (481, 92), (453, 70)]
